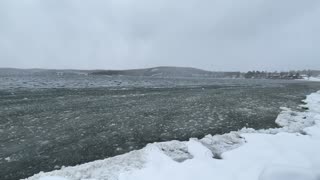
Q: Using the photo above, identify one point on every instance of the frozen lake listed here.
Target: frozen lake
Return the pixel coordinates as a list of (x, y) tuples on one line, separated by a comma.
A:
[(47, 121)]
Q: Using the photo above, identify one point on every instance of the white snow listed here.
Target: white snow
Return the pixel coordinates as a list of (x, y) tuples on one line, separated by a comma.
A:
[(7, 159), (286, 153), (312, 78), (277, 172), (52, 178)]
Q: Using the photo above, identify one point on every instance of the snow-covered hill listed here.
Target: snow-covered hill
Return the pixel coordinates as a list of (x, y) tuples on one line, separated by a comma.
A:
[(163, 71)]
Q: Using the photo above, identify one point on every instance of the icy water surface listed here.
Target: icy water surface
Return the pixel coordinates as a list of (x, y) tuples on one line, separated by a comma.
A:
[(50, 121)]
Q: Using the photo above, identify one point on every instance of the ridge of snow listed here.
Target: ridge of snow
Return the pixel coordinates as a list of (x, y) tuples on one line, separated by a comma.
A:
[(288, 152)]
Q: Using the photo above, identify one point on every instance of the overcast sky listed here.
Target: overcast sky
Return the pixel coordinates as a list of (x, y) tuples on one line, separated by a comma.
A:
[(120, 34)]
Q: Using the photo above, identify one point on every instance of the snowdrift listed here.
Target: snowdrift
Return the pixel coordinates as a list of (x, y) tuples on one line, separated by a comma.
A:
[(289, 152)]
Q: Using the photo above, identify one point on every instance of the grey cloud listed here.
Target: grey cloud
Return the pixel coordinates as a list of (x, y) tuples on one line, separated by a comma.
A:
[(119, 34)]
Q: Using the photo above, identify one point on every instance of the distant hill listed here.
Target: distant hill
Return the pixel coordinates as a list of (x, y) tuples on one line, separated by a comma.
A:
[(41, 72), (162, 71)]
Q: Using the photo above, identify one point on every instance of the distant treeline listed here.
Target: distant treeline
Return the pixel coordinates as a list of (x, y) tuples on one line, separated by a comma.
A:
[(192, 72), (280, 75)]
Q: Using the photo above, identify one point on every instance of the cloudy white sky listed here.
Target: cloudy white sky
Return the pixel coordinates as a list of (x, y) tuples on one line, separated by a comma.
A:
[(120, 34)]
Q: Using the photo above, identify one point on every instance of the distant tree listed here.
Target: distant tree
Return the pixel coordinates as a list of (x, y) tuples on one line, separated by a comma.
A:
[(249, 74), (309, 73)]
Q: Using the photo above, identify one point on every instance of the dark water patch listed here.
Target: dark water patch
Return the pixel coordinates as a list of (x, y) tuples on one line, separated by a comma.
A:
[(44, 128)]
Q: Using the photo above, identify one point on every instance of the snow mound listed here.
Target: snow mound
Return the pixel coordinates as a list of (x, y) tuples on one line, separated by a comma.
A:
[(288, 152), (109, 168)]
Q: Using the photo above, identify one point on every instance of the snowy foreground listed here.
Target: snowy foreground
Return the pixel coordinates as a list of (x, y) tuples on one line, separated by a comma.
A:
[(287, 153)]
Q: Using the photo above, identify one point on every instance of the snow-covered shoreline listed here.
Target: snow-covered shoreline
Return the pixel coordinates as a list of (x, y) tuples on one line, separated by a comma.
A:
[(288, 152), (312, 78)]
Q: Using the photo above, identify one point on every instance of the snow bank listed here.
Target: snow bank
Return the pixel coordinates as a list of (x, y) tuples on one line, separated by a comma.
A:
[(312, 78), (289, 152)]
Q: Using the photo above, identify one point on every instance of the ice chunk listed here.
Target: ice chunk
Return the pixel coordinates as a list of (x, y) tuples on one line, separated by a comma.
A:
[(176, 150), (222, 143)]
